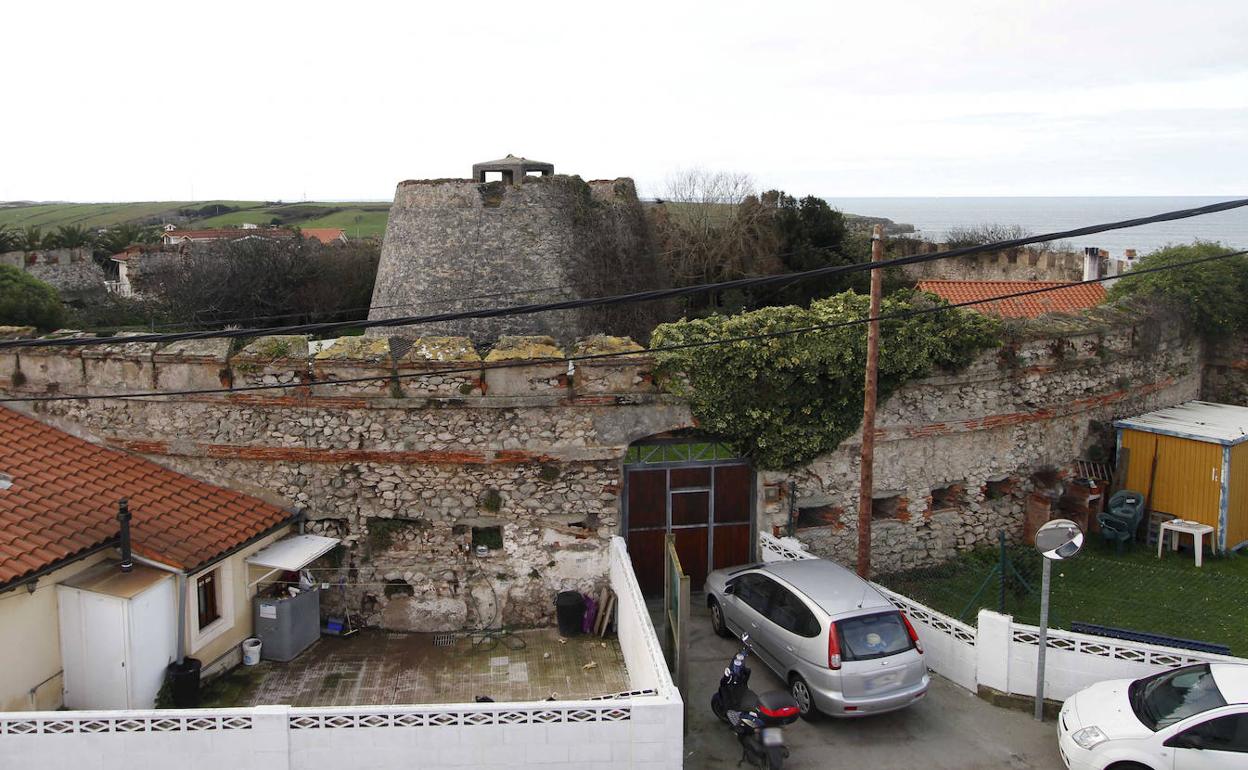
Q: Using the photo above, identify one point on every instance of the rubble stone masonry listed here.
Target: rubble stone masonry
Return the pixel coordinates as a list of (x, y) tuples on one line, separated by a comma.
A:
[(435, 451)]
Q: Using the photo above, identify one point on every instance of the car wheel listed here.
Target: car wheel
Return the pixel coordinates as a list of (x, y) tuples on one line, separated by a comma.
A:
[(717, 620), (1128, 766), (805, 699)]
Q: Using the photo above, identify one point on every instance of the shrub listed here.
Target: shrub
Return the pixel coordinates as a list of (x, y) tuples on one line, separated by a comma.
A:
[(27, 301), (784, 400), (1210, 295)]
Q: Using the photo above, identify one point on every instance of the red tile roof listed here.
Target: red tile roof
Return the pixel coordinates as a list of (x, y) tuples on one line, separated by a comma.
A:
[(229, 233), (323, 234), (63, 503), (1071, 299)]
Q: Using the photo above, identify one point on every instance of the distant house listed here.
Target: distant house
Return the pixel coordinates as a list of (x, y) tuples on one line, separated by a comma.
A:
[(175, 237), (325, 235), (70, 619), (1069, 298)]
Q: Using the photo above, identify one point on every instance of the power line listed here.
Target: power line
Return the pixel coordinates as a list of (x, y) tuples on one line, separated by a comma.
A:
[(632, 298), (437, 301), (900, 315)]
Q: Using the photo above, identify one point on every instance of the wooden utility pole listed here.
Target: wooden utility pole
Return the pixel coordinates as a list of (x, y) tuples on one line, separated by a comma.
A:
[(866, 469)]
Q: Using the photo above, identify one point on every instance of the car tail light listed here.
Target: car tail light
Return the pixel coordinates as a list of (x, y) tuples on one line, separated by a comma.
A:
[(834, 648), (780, 713), (913, 636)]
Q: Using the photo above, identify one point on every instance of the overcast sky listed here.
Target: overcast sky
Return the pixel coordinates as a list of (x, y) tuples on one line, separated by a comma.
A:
[(340, 101)]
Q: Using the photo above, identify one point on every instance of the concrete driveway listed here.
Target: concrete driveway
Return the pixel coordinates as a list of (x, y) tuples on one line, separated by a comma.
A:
[(949, 728)]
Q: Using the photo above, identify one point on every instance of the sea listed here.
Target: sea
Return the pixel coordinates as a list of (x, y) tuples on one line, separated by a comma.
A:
[(934, 217)]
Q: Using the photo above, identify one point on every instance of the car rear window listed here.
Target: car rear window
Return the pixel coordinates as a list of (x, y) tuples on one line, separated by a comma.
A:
[(873, 636)]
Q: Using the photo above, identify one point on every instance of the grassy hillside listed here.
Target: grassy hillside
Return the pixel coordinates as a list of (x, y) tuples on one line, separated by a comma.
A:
[(360, 220)]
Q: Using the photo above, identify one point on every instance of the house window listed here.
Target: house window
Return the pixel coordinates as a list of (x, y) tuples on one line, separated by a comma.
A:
[(206, 590)]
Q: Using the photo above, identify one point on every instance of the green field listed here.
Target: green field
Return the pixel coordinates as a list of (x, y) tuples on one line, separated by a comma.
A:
[(360, 220), (1134, 590)]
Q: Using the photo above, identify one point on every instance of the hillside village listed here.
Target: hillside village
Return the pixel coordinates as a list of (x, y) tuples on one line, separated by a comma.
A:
[(420, 518)]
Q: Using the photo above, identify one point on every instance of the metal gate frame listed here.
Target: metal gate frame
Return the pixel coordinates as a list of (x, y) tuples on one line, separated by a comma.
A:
[(676, 619)]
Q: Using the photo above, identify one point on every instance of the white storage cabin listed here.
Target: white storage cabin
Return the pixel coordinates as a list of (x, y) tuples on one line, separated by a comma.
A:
[(118, 635)]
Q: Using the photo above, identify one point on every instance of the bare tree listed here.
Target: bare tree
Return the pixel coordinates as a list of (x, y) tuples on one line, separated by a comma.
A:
[(712, 226)]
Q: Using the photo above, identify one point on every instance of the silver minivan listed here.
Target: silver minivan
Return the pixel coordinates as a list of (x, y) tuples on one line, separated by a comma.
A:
[(843, 648)]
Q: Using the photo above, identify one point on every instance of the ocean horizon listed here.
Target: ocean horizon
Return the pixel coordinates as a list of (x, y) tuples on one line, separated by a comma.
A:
[(934, 217)]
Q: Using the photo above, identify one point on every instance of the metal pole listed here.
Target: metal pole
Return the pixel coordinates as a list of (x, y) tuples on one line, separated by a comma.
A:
[(1044, 636), (1001, 568), (866, 475)]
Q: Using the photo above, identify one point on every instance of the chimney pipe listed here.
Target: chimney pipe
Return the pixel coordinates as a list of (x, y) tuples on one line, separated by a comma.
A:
[(123, 518), (1091, 263)]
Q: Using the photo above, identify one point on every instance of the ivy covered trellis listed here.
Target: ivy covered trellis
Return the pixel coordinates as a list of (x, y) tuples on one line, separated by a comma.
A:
[(782, 401)]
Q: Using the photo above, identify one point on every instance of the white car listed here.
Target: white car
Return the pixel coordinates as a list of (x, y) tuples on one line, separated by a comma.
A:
[(1190, 718)]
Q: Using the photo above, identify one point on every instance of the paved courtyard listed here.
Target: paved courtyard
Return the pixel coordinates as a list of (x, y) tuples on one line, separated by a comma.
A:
[(377, 667), (949, 728)]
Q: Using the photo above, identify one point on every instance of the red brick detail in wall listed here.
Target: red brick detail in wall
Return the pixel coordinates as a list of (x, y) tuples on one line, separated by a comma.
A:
[(1017, 418), (317, 455)]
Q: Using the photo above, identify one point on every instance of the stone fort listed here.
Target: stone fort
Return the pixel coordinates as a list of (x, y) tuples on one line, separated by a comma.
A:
[(529, 236)]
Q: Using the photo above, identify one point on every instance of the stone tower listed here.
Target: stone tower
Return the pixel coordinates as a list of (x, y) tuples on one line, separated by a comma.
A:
[(532, 236)]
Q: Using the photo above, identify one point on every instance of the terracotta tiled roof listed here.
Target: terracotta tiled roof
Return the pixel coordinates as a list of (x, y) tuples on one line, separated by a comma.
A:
[(63, 500), (1071, 299), (323, 234), (229, 233)]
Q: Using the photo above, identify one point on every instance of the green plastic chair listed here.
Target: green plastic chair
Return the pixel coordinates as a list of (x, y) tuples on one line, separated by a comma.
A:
[(1121, 520)]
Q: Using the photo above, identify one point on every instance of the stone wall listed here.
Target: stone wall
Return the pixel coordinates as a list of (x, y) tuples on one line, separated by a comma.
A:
[(979, 436), (1226, 372), (413, 452), (408, 469), (548, 238), (1013, 265), (73, 272)]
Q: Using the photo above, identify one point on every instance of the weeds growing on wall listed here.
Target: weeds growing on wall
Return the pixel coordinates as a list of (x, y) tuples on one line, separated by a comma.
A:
[(785, 400)]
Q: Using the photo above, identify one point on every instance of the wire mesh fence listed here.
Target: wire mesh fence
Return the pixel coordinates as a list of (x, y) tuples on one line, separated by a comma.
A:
[(1132, 592)]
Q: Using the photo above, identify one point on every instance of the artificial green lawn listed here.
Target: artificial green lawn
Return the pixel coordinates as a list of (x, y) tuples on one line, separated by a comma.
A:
[(1136, 591)]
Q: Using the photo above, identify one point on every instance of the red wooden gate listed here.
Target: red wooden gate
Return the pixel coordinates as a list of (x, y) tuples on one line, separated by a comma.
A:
[(707, 506)]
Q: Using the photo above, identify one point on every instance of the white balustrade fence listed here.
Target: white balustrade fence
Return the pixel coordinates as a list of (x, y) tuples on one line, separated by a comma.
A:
[(642, 728), (1001, 654)]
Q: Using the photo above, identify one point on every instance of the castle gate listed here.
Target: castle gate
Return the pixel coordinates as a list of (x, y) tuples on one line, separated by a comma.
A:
[(699, 491)]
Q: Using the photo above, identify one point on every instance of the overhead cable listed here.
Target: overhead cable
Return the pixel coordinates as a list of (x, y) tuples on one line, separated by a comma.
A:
[(635, 297), (900, 315)]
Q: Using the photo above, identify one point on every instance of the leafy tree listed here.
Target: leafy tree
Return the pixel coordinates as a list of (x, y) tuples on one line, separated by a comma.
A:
[(115, 239), (26, 301), (1209, 295), (34, 238), (8, 239), (785, 400), (73, 236), (812, 235)]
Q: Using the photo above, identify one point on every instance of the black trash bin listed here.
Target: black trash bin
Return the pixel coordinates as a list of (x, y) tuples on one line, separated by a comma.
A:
[(570, 609), (184, 680)]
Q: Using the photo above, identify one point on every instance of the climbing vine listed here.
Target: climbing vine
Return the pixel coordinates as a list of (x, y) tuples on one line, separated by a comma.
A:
[(785, 400)]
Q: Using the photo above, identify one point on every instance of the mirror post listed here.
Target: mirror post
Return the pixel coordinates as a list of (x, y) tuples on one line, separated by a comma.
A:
[(1056, 540), (1044, 636)]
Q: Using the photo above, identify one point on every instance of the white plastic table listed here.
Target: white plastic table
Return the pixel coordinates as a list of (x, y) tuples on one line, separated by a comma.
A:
[(1184, 527)]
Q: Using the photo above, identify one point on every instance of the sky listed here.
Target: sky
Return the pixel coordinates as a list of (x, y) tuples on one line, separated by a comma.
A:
[(313, 100)]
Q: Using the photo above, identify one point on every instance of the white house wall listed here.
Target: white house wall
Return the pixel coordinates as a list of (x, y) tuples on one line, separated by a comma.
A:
[(30, 678)]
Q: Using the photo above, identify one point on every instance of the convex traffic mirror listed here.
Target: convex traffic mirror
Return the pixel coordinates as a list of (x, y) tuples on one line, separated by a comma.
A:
[(1059, 539)]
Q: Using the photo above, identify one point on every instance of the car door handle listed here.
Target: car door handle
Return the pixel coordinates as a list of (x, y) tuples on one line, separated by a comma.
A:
[(788, 647), (753, 625)]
